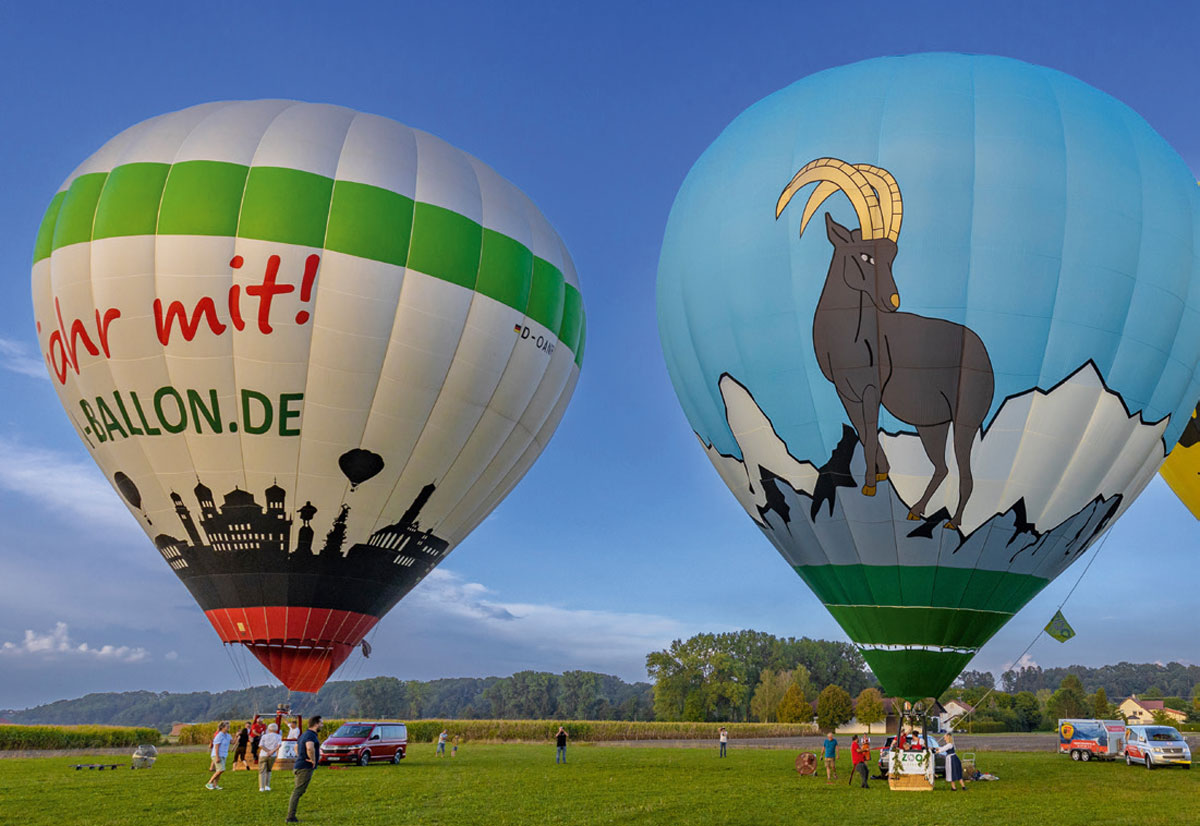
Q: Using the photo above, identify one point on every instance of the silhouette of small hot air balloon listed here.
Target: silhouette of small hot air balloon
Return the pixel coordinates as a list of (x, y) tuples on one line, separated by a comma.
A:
[(130, 491), (359, 465)]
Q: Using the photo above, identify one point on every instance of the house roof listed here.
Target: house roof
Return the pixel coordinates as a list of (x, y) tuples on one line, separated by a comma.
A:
[(1148, 705), (963, 704), (1154, 705)]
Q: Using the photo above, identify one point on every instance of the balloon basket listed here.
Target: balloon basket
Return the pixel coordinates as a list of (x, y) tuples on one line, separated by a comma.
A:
[(910, 783)]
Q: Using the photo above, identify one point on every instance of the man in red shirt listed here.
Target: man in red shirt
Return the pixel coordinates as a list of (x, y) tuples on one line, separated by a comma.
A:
[(257, 729), (860, 756)]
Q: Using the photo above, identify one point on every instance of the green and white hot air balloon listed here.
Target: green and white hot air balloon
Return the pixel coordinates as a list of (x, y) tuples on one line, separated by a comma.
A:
[(311, 348)]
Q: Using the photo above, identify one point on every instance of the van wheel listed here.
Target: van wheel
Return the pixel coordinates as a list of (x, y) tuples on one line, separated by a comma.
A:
[(364, 758), (1085, 755), (397, 757), (1075, 755), (1149, 762), (1128, 759)]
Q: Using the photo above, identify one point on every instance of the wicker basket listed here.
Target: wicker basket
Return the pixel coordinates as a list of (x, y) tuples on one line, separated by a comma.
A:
[(909, 783)]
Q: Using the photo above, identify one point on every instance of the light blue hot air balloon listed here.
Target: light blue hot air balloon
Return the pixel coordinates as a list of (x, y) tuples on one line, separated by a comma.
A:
[(935, 321)]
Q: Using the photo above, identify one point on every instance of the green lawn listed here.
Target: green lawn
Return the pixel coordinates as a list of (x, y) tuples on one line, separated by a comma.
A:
[(517, 784)]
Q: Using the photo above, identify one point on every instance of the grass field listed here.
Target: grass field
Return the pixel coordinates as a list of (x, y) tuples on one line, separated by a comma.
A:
[(520, 784)]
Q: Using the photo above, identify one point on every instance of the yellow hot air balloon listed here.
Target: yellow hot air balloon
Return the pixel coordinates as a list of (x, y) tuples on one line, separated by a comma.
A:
[(1182, 468)]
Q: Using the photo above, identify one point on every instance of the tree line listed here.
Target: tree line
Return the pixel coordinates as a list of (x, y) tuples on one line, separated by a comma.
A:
[(1041, 709), (748, 675), (1120, 680), (524, 695)]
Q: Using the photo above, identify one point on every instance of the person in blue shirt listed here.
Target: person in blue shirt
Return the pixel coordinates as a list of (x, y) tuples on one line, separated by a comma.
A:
[(219, 754), (308, 752), (831, 746)]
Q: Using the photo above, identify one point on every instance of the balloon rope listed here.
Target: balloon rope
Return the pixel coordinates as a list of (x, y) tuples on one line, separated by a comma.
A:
[(233, 662), (1042, 630)]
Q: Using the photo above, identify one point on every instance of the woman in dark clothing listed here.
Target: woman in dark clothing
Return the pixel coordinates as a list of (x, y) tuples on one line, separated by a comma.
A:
[(954, 772), (243, 740)]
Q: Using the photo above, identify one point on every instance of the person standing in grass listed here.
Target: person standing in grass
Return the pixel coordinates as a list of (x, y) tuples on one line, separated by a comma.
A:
[(454, 748), (243, 740), (219, 753), (441, 749), (308, 751), (831, 747), (954, 771), (860, 755), (268, 748), (723, 736), (560, 743)]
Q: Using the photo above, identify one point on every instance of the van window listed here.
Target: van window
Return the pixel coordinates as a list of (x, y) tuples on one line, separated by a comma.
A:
[(352, 730), (391, 733), (1161, 733), (403, 732)]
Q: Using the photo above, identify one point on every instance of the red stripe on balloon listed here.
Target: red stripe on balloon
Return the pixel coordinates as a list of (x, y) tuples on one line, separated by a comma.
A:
[(302, 661)]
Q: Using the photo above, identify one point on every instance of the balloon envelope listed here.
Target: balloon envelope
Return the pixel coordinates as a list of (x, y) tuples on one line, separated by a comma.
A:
[(320, 344), (1182, 468), (934, 320)]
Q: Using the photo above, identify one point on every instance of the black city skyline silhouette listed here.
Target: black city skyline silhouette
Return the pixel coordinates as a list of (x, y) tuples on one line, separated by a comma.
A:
[(240, 554)]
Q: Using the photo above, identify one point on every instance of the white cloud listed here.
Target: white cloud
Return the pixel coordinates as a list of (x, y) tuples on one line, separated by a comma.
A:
[(590, 638), (61, 483), (15, 357), (172, 656), (1026, 661), (59, 642)]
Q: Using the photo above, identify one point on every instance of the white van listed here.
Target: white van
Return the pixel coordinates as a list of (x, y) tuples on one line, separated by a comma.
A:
[(1155, 746)]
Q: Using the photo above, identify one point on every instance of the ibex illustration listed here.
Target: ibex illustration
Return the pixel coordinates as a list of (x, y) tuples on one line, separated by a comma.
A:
[(927, 372)]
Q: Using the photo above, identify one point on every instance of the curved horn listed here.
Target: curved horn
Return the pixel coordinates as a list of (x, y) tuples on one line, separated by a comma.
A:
[(890, 204), (838, 175)]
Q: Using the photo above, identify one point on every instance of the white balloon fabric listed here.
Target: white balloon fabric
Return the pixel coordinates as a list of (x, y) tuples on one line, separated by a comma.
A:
[(311, 348)]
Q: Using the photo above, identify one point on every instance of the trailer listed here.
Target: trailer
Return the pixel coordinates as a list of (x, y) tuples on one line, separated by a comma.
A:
[(1088, 740)]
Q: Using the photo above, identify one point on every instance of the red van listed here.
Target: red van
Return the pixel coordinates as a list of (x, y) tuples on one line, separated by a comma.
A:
[(363, 742)]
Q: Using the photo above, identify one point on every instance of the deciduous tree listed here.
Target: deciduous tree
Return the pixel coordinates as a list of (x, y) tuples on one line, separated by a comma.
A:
[(793, 708), (868, 708), (833, 708), (768, 694)]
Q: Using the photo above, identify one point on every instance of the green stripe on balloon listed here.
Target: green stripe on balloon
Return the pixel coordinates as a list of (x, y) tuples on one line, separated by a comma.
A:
[(45, 235), (291, 206), (129, 202), (914, 674), (582, 341), (445, 245), (546, 296), (78, 210), (891, 625), (202, 198), (921, 585), (505, 269), (285, 205), (370, 222), (571, 326)]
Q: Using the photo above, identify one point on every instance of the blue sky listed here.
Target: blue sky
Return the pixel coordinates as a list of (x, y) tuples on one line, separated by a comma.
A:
[(621, 537)]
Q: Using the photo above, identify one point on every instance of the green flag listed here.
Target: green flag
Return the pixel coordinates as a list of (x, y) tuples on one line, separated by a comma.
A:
[(1059, 628)]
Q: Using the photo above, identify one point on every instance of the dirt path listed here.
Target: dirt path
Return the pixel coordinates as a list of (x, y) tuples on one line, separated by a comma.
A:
[(125, 752), (1024, 741)]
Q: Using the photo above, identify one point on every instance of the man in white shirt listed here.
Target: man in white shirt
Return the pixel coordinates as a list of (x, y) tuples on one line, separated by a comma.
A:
[(268, 749)]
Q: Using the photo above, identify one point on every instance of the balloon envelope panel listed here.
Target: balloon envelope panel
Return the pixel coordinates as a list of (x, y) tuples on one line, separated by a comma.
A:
[(312, 348), (937, 394), (1181, 470)]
